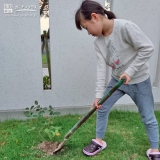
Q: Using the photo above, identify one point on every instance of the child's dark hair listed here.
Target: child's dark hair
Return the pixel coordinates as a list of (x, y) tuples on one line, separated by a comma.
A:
[(87, 8)]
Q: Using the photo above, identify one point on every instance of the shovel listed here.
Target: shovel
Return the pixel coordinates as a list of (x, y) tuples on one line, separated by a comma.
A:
[(84, 118)]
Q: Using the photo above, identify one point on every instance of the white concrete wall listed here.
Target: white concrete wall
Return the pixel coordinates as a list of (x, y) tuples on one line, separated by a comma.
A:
[(20, 57), (73, 58), (146, 14)]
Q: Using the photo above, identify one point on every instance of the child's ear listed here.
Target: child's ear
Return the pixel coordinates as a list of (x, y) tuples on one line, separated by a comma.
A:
[(94, 16)]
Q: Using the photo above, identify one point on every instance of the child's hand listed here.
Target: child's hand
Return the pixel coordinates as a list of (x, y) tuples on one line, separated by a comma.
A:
[(96, 103), (126, 76)]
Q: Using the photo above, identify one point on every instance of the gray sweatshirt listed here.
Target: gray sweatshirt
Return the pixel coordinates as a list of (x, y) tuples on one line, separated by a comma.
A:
[(126, 49)]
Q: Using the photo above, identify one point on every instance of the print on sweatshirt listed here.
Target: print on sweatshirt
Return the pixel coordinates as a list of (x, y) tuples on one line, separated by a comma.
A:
[(114, 61)]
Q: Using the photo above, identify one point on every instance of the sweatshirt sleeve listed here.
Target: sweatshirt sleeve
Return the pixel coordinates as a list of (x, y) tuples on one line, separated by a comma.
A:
[(135, 37), (101, 74)]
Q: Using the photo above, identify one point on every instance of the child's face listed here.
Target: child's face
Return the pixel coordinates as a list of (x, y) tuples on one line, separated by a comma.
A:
[(93, 26)]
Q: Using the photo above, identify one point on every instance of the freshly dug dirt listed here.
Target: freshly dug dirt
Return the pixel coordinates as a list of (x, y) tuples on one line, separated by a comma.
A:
[(48, 147)]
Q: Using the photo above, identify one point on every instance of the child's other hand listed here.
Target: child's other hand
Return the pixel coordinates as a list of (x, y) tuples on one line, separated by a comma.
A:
[(95, 103), (126, 76)]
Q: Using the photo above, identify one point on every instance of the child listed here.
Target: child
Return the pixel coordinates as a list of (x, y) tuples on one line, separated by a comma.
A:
[(121, 45)]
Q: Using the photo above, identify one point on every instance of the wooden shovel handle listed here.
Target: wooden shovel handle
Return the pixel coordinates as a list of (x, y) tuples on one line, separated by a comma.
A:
[(101, 101)]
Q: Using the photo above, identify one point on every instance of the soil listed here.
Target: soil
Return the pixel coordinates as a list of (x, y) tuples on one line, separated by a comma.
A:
[(48, 147)]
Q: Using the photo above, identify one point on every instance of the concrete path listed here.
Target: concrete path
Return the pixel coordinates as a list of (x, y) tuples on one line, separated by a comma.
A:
[(45, 72)]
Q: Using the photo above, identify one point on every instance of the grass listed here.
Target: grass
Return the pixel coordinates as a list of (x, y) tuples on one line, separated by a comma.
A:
[(44, 59), (126, 138)]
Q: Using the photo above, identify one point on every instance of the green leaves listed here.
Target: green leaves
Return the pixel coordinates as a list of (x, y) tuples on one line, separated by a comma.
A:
[(31, 107), (52, 131), (46, 130), (46, 82), (38, 111), (37, 114)]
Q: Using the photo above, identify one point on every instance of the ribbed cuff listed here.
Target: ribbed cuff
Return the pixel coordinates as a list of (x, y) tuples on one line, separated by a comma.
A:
[(130, 71)]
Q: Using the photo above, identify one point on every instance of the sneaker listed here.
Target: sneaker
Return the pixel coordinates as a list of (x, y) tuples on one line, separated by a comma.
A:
[(153, 155), (94, 147)]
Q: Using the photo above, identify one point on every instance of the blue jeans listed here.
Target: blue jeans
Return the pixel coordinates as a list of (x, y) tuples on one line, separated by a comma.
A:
[(141, 94)]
